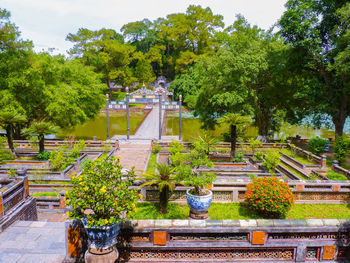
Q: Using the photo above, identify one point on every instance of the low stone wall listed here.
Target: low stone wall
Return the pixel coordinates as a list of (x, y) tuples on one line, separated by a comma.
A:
[(311, 240), (304, 191)]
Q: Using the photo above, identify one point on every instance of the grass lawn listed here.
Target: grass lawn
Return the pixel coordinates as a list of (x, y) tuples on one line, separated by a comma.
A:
[(297, 157), (219, 211), (39, 194), (152, 163)]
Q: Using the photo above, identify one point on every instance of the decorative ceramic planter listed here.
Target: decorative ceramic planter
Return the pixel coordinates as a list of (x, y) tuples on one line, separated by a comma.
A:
[(199, 204), (102, 237)]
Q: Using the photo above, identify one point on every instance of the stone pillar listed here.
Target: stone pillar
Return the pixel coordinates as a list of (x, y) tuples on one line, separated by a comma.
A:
[(62, 199), (335, 163), (323, 162)]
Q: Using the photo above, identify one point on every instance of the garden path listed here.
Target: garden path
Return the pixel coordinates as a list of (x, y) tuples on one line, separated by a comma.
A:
[(33, 242)]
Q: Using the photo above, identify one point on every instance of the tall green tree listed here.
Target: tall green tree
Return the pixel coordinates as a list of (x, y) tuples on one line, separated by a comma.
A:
[(245, 77), (317, 32)]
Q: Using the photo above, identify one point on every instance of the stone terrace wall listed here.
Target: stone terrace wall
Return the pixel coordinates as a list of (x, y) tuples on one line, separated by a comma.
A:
[(312, 240)]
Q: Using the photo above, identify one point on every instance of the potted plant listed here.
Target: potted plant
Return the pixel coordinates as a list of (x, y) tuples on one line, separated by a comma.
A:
[(102, 198), (190, 172)]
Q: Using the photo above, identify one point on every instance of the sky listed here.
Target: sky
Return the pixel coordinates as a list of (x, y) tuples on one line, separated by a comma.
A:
[(48, 22)]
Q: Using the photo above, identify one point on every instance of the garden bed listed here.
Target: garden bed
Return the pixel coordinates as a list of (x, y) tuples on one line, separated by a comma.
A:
[(219, 211)]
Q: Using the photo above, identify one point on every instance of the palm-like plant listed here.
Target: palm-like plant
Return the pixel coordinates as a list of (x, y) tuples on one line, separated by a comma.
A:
[(165, 179), (41, 128), (209, 142), (235, 120), (7, 120)]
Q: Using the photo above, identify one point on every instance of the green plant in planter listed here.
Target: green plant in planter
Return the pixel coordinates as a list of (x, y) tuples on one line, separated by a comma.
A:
[(102, 189), (156, 148), (238, 158), (272, 160), (259, 156), (208, 142), (165, 179), (188, 169), (77, 148), (176, 156), (254, 144)]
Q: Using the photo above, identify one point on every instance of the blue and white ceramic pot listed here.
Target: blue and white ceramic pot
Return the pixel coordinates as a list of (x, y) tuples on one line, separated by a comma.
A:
[(102, 237), (199, 204)]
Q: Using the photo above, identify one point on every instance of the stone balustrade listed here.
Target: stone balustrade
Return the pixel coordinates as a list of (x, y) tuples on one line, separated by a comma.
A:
[(310, 240)]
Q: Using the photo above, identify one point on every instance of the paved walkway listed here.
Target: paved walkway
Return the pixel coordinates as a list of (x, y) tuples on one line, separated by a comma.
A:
[(33, 242), (134, 154)]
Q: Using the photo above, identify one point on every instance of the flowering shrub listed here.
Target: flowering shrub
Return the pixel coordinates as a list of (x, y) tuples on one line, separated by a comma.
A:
[(269, 197), (102, 190)]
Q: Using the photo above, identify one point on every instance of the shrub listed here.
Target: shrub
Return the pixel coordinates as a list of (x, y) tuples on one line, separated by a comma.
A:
[(340, 149), (316, 145), (59, 160), (254, 144), (335, 176), (43, 156), (259, 156), (239, 157), (4, 154), (104, 190), (77, 148), (272, 160), (269, 197), (156, 148)]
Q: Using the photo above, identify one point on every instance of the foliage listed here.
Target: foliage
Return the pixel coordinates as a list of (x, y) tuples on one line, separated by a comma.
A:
[(176, 157), (340, 149), (41, 128), (270, 197), (156, 148), (239, 157), (317, 145), (4, 154), (44, 156), (104, 190), (165, 180), (208, 142), (336, 176), (259, 156), (188, 168), (77, 148), (59, 160), (318, 32), (238, 125), (254, 144), (271, 161)]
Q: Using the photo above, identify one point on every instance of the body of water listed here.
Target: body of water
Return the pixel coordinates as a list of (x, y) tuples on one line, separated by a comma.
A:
[(98, 126), (191, 126)]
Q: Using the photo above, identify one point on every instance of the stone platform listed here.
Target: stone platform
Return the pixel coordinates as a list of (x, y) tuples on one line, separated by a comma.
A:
[(33, 242)]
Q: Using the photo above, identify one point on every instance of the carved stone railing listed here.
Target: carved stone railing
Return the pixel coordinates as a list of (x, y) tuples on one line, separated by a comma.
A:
[(311, 240)]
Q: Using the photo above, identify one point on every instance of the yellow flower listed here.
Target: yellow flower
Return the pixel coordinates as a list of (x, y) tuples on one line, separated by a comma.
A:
[(140, 196), (67, 213), (103, 189)]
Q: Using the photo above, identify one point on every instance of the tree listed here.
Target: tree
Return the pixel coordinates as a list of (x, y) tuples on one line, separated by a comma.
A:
[(316, 30), (234, 120), (165, 179), (105, 50), (245, 77), (41, 128), (11, 114)]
